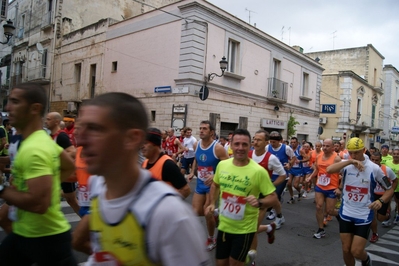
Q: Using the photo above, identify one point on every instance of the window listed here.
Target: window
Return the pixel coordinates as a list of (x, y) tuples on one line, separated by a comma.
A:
[(153, 115), (233, 56), (276, 68), (305, 84), (92, 86), (114, 66), (44, 63), (20, 33), (78, 73)]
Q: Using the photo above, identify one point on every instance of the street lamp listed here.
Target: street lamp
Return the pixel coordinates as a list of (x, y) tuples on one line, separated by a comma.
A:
[(8, 31), (223, 66)]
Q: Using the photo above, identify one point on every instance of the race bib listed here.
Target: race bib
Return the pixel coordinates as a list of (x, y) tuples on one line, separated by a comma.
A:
[(323, 180), (356, 194), (104, 258), (83, 195), (233, 206), (204, 172)]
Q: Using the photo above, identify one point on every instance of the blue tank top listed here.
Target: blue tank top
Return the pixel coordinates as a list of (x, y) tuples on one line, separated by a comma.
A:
[(299, 157), (280, 154), (206, 160)]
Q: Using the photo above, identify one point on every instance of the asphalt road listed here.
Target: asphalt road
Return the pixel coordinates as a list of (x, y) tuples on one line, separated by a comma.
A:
[(294, 244)]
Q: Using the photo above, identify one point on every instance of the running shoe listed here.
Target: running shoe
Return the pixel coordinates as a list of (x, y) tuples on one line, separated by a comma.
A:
[(300, 195), (396, 221), (374, 238), (279, 222), (325, 221), (291, 201), (271, 215), (387, 222), (305, 195), (270, 235), (329, 218), (250, 260), (210, 244), (319, 234)]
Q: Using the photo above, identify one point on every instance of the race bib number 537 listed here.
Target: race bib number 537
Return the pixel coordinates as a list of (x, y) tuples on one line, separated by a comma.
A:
[(233, 206)]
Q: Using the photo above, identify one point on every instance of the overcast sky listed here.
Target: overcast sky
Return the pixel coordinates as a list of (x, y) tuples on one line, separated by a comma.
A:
[(319, 25)]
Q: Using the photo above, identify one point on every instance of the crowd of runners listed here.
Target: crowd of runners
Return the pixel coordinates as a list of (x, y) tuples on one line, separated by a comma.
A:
[(127, 182)]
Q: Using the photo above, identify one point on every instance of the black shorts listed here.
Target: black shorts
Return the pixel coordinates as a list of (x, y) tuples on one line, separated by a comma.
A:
[(396, 195), (68, 187), (351, 228), (47, 250), (233, 245), (186, 162), (384, 206)]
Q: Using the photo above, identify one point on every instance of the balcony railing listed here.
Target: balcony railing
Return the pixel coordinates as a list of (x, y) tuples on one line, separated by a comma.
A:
[(47, 20), (37, 74), (277, 90)]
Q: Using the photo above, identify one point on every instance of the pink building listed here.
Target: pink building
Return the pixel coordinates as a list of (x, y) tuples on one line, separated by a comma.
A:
[(165, 57)]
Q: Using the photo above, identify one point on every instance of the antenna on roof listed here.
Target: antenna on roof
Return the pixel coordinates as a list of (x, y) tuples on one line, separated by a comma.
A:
[(249, 15)]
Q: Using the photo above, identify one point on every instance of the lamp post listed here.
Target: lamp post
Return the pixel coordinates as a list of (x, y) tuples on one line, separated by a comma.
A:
[(223, 66), (8, 31)]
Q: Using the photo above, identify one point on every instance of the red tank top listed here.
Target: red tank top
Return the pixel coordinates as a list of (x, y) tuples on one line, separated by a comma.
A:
[(264, 163), (170, 146)]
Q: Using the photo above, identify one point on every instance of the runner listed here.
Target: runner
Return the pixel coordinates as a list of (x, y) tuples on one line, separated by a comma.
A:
[(239, 200), (394, 165), (272, 164), (60, 137), (386, 157), (134, 220), (383, 214), (359, 178), (40, 233), (161, 165), (286, 156), (326, 188), (173, 145), (189, 142), (207, 156)]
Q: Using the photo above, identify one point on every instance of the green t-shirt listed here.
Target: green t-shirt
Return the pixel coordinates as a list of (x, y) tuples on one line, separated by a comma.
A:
[(38, 156), (385, 159), (236, 183), (395, 169)]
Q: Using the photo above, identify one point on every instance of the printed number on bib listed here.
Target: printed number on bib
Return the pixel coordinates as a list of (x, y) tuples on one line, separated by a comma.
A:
[(233, 206), (324, 180), (83, 196), (204, 172), (357, 194)]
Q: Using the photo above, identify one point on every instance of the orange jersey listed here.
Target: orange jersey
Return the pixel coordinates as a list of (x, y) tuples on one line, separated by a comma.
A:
[(325, 180), (313, 157)]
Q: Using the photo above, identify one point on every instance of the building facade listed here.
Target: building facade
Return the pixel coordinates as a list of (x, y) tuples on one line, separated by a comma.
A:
[(165, 58), (351, 94), (390, 134), (40, 27)]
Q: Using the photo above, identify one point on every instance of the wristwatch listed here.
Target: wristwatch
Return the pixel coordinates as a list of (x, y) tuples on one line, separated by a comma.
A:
[(381, 200)]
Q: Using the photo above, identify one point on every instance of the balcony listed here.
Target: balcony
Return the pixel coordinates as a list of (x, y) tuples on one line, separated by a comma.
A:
[(47, 21), (377, 125), (37, 74), (277, 90)]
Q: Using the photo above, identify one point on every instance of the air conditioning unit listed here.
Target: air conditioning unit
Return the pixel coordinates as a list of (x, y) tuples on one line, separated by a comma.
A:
[(323, 120)]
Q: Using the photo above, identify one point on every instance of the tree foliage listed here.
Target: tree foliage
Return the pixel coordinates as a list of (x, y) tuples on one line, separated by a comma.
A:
[(291, 130)]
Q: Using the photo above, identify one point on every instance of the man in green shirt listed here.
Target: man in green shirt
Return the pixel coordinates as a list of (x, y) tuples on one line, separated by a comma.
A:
[(243, 186), (386, 157), (394, 165), (40, 233)]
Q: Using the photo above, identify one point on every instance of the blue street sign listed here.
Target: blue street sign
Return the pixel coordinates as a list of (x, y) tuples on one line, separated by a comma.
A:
[(163, 89), (328, 108)]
